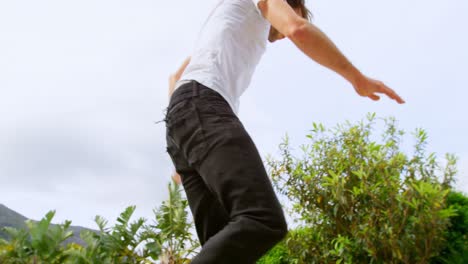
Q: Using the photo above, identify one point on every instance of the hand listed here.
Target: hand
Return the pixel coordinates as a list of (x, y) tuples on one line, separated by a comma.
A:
[(176, 178), (369, 87)]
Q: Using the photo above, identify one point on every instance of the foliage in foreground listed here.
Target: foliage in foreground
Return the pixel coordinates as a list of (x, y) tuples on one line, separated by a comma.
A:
[(362, 200), (358, 200), (168, 239)]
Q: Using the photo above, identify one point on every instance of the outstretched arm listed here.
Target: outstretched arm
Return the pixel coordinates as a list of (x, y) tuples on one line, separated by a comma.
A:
[(317, 46)]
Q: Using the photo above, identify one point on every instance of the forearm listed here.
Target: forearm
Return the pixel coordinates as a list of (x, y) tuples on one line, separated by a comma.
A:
[(172, 82), (176, 76), (316, 45)]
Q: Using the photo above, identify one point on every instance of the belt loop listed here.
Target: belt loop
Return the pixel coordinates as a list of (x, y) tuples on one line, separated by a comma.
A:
[(195, 88)]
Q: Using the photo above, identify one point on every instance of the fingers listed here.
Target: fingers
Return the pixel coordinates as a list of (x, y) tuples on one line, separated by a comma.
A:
[(392, 94), (374, 97), (371, 87)]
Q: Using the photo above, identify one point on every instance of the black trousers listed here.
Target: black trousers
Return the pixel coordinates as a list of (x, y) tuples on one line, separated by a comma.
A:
[(237, 215)]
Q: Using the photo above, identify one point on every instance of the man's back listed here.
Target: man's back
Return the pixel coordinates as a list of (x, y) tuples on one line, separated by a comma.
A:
[(228, 49)]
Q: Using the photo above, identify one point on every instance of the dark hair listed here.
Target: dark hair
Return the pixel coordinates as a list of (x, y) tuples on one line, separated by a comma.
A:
[(301, 4)]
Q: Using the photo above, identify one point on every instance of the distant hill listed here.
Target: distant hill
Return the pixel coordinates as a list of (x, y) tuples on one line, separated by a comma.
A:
[(11, 218)]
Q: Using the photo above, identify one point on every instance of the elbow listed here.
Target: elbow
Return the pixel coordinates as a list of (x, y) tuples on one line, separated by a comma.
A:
[(297, 29)]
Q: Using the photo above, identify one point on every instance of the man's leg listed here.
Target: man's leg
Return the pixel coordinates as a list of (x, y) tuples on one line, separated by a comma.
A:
[(233, 171), (209, 216), (214, 143)]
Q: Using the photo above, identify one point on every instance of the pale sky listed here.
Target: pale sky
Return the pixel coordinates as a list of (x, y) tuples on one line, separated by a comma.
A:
[(83, 82)]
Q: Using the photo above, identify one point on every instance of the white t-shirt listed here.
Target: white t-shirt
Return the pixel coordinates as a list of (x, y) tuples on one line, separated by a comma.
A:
[(228, 49)]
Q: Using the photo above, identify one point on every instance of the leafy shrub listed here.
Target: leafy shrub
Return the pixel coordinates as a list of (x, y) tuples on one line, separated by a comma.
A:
[(358, 200), (364, 201), (455, 250), (277, 255), (168, 239), (40, 243)]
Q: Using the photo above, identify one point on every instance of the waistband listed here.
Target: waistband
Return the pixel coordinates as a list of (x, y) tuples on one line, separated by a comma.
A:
[(189, 90)]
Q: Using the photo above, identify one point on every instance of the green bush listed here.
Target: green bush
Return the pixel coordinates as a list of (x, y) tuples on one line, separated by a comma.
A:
[(291, 249), (39, 243), (364, 200), (358, 200), (276, 255), (168, 239), (455, 250)]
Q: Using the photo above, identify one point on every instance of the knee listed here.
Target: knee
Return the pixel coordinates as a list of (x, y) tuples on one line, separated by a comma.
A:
[(280, 228), (275, 228), (274, 232), (271, 225)]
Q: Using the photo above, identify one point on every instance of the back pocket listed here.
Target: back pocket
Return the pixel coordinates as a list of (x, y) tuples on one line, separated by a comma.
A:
[(186, 133)]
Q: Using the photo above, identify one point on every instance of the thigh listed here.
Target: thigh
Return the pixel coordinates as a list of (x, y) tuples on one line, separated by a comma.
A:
[(209, 215), (232, 167)]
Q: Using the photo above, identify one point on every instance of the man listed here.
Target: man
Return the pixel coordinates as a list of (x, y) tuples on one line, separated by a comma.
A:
[(236, 212)]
